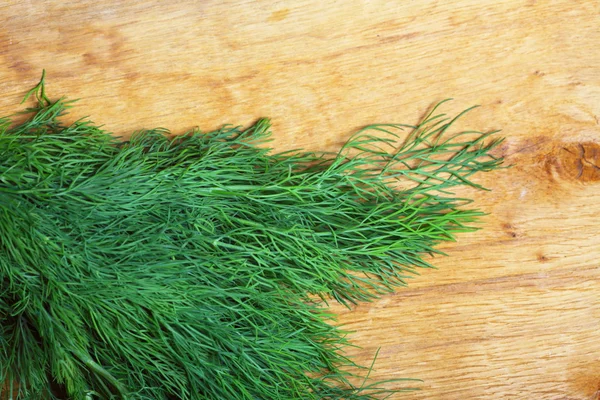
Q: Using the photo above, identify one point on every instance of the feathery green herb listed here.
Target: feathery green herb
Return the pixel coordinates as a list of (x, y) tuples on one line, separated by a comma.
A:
[(199, 266)]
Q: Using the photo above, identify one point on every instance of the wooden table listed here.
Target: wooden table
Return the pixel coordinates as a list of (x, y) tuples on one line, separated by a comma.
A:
[(514, 312)]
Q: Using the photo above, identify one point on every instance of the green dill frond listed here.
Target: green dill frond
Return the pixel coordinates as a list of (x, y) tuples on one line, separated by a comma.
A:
[(187, 267)]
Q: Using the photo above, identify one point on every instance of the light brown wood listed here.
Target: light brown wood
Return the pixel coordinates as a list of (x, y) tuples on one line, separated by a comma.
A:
[(513, 313)]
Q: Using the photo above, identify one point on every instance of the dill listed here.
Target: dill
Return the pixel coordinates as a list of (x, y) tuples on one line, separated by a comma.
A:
[(199, 266)]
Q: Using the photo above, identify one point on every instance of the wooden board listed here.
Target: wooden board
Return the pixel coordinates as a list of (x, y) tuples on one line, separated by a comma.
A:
[(513, 313)]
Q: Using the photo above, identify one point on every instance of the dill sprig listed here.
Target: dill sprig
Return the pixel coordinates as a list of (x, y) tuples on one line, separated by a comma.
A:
[(199, 266)]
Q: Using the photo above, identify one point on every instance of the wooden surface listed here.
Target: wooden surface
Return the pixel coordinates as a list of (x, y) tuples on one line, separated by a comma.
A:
[(514, 312)]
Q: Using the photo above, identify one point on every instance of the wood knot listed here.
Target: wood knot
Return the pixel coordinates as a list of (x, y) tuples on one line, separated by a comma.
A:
[(542, 258), (578, 161), (510, 230)]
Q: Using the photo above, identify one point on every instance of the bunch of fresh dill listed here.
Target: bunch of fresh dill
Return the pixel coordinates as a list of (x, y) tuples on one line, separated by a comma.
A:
[(195, 267)]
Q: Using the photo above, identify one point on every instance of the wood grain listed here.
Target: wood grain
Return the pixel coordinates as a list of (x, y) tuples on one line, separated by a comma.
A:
[(513, 313)]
